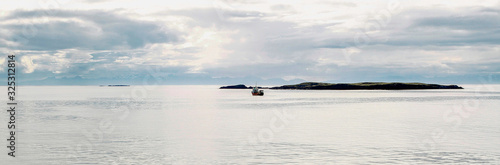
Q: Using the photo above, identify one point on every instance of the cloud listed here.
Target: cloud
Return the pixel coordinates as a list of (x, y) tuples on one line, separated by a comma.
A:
[(3, 64), (411, 43), (341, 4), (476, 27), (27, 62), (94, 30), (281, 7)]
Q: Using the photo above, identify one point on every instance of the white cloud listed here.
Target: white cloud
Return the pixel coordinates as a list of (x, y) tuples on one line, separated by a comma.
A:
[(3, 64), (27, 62)]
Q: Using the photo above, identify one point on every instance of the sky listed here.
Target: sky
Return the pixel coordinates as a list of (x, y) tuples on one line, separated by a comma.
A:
[(246, 41)]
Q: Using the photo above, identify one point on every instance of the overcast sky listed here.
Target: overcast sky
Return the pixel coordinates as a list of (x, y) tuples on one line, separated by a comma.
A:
[(314, 40)]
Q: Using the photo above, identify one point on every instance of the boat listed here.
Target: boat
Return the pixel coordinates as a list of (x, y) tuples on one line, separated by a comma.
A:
[(113, 85), (118, 85), (257, 92)]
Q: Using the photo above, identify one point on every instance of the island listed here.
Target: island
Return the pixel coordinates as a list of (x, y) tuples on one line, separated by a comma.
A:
[(366, 86), (240, 86), (353, 86)]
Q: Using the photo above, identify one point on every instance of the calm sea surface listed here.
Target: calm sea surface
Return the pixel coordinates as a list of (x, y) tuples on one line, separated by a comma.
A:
[(205, 125)]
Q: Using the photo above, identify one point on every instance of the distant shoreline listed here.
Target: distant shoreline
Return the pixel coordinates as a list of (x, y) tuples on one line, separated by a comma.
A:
[(353, 86)]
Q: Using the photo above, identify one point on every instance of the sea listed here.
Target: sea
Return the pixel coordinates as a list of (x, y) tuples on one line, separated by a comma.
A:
[(205, 125)]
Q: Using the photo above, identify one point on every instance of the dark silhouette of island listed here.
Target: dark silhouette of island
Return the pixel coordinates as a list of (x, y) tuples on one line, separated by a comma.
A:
[(240, 86), (366, 86), (354, 86)]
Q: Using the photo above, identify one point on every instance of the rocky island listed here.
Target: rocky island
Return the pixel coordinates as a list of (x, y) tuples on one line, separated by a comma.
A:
[(240, 86), (353, 86), (366, 86)]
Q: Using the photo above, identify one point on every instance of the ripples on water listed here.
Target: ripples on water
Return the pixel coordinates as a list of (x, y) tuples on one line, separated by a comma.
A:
[(204, 125)]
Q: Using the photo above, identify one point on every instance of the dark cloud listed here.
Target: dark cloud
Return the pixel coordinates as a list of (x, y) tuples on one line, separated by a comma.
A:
[(470, 29), (468, 22), (419, 28), (491, 10), (94, 30)]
